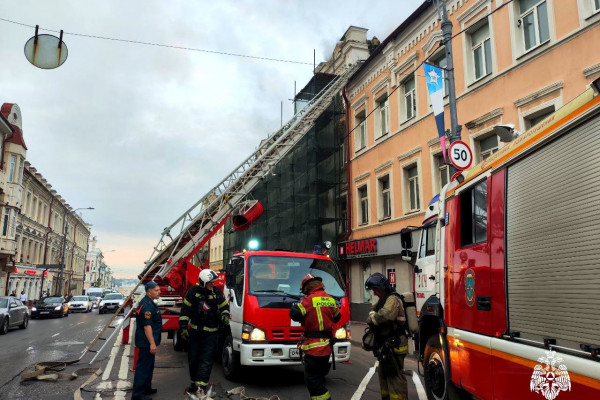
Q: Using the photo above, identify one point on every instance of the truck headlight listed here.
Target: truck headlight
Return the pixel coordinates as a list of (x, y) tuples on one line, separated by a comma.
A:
[(341, 333), (252, 333)]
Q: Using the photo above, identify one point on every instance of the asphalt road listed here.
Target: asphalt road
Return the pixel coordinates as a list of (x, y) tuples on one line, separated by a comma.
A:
[(52, 339)]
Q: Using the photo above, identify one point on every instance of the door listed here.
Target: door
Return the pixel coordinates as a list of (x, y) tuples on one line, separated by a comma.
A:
[(15, 317), (235, 294), (470, 293)]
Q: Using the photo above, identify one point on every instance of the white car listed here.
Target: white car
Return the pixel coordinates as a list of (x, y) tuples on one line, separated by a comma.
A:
[(80, 303)]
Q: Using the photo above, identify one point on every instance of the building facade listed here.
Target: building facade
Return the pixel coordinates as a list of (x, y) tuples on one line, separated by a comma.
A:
[(304, 196), (514, 62), (12, 154), (47, 231), (216, 250)]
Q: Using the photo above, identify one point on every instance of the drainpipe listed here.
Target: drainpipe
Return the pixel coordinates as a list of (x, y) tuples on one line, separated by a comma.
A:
[(348, 185)]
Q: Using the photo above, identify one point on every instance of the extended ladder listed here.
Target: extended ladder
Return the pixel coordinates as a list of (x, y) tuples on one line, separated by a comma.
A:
[(185, 235)]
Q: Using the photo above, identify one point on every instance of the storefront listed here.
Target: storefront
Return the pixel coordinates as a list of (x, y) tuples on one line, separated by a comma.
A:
[(366, 256), (29, 280)]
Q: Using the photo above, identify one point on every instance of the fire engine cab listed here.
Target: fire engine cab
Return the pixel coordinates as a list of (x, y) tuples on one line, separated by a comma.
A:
[(507, 267), (261, 287)]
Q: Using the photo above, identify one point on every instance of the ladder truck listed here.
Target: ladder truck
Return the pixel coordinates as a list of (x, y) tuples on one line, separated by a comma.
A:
[(507, 267), (171, 262)]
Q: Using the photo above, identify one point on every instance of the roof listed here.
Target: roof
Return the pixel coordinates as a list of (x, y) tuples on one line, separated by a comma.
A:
[(405, 24), (17, 133)]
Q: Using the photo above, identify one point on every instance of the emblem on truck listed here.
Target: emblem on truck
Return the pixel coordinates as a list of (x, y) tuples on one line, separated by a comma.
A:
[(550, 380), (470, 287)]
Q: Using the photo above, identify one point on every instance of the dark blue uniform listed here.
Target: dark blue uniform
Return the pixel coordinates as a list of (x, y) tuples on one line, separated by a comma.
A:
[(148, 314)]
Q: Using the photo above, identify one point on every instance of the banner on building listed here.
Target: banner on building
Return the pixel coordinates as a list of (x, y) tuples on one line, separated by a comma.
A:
[(435, 86)]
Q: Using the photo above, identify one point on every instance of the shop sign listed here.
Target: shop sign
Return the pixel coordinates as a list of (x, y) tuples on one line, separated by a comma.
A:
[(30, 272), (358, 248)]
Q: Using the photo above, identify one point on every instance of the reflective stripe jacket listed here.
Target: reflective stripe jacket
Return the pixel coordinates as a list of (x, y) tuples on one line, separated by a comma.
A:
[(389, 320), (317, 312), (203, 309)]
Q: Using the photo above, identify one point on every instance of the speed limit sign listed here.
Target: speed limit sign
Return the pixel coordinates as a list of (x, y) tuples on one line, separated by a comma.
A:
[(460, 155)]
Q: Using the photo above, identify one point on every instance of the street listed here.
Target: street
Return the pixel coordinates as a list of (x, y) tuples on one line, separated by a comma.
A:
[(64, 339), (51, 339)]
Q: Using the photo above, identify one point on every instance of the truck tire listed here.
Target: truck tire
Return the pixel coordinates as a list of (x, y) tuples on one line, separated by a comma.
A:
[(230, 360), (435, 370)]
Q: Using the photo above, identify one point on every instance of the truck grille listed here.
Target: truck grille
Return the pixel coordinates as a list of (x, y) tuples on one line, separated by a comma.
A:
[(286, 333)]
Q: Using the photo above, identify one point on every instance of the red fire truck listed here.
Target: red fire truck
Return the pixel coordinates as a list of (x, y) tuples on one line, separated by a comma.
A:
[(261, 287), (507, 271)]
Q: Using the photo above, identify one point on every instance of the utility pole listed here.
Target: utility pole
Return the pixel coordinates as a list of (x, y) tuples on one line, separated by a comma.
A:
[(455, 129)]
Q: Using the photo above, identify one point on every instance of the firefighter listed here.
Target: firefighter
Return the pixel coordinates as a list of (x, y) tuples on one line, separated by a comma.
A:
[(147, 338), (388, 320), (318, 313), (204, 310)]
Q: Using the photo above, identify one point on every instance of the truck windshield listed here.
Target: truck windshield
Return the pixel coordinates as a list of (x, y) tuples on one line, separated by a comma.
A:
[(281, 275)]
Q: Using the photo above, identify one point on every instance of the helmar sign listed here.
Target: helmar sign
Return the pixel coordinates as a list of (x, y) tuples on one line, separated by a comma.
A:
[(358, 248)]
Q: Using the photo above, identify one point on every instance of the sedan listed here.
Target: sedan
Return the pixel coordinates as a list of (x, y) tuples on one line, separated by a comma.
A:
[(80, 303), (13, 313), (111, 302), (54, 306)]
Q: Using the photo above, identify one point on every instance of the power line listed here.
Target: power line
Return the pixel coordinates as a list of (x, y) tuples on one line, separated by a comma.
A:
[(162, 45)]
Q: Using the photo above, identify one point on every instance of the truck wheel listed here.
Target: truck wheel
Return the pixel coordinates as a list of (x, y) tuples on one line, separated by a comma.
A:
[(435, 370), (230, 360), (178, 343)]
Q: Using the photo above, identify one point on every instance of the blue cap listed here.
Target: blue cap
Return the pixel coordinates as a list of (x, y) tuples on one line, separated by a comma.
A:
[(151, 285)]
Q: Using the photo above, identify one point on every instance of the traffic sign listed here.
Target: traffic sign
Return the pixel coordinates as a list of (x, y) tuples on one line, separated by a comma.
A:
[(460, 155)]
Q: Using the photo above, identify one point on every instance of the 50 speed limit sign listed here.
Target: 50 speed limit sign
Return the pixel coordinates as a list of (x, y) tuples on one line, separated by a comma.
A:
[(460, 155)]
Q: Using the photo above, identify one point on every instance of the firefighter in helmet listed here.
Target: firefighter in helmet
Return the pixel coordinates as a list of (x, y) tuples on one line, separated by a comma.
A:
[(388, 321), (204, 310), (318, 312)]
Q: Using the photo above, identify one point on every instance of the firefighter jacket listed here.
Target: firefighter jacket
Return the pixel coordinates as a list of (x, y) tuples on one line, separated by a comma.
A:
[(147, 314), (389, 321), (204, 310), (317, 312)]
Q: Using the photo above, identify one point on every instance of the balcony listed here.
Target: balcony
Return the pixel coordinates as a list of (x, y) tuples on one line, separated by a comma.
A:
[(8, 246)]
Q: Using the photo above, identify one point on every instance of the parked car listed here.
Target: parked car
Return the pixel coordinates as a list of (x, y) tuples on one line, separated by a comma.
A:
[(80, 303), (53, 306), (111, 301), (13, 313)]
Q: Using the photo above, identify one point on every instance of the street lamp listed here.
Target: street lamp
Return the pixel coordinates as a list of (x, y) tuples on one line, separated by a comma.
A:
[(64, 250)]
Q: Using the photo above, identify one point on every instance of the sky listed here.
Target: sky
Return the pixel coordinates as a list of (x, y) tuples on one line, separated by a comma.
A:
[(142, 132)]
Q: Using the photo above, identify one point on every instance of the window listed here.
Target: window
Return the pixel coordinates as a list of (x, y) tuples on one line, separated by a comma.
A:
[(360, 134), (440, 60), (473, 215), (343, 227), (366, 270), (410, 103), (534, 22), (28, 203), (533, 119), (39, 211), (5, 221), (596, 5), (20, 180), (443, 171), (427, 242), (11, 171), (482, 51), (385, 201), (488, 146), (13, 224), (412, 176), (382, 128), (364, 205)]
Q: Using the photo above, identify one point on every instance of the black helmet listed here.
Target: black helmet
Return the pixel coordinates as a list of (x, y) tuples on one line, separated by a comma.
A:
[(378, 281)]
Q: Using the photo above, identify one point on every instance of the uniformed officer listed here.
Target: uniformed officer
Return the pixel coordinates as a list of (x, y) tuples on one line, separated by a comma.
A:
[(388, 320), (317, 312), (204, 309), (147, 338)]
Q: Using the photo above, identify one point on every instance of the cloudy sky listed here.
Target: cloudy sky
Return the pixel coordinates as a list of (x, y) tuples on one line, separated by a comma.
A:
[(142, 132)]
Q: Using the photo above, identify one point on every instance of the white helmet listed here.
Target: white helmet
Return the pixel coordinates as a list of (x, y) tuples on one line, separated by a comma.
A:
[(207, 276)]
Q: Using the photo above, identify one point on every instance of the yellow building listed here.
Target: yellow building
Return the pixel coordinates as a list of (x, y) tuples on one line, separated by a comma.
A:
[(514, 62)]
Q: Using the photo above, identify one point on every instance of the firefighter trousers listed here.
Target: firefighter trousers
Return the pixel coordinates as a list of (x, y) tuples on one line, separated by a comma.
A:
[(394, 387), (315, 370), (201, 353)]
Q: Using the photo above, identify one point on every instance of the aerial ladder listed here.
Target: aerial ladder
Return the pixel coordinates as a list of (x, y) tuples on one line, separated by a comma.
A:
[(180, 241)]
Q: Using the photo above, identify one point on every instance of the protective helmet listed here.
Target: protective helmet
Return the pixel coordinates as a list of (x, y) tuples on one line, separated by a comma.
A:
[(378, 281), (309, 278), (207, 276)]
